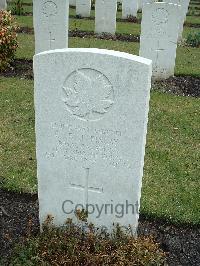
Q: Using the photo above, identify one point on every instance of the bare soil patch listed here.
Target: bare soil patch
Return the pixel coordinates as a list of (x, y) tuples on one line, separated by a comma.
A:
[(179, 85), (19, 220)]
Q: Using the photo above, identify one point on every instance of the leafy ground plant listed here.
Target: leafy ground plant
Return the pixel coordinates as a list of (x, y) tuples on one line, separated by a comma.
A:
[(71, 245), (8, 39), (193, 39)]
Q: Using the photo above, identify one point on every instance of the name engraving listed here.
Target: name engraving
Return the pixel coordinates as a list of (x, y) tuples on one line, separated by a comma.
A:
[(86, 146)]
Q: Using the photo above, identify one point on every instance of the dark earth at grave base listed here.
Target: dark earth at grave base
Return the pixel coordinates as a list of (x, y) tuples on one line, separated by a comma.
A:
[(89, 34), (179, 85), (182, 243)]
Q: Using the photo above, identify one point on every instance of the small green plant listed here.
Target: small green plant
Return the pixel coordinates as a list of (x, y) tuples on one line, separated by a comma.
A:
[(8, 39), (18, 8), (73, 245), (193, 39)]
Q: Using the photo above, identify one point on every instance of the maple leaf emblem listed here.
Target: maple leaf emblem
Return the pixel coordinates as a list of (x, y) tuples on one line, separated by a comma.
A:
[(88, 94), (49, 8)]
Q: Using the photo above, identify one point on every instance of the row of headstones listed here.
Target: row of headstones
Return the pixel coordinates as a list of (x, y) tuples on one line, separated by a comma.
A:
[(91, 109), (91, 112), (161, 23), (105, 16), (106, 11), (129, 7), (83, 7)]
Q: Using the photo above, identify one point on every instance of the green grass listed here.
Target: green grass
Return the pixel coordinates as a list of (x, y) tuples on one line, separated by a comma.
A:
[(24, 21), (195, 19), (17, 134), (85, 25), (171, 186), (188, 30), (193, 14), (26, 46), (89, 25), (27, 1), (187, 62)]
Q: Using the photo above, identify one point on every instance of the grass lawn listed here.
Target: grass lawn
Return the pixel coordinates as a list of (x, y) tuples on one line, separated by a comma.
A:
[(89, 25), (192, 17), (187, 62), (17, 134), (171, 179), (171, 185)]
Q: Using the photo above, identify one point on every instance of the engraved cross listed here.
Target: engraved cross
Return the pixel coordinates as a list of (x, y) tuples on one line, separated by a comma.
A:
[(86, 188), (158, 51), (51, 39)]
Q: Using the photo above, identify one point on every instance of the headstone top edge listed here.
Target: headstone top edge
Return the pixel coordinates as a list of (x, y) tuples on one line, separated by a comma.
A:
[(113, 53), (161, 4)]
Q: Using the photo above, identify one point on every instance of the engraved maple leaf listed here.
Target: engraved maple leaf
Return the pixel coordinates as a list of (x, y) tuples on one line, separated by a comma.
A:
[(49, 8), (88, 95)]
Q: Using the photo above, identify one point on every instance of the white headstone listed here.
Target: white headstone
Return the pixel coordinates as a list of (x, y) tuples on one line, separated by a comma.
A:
[(129, 8), (3, 5), (143, 2), (184, 5), (159, 34), (91, 122), (50, 24), (139, 4), (72, 2), (83, 8), (176, 2), (105, 16)]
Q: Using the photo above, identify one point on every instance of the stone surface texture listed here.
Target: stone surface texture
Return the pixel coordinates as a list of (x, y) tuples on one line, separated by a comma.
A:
[(159, 34), (184, 5), (129, 8), (83, 8), (72, 2), (91, 121), (50, 24), (105, 16)]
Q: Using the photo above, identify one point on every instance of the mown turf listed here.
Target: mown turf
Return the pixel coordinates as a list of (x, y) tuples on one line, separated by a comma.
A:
[(27, 8), (187, 62), (17, 135), (171, 185), (171, 180), (89, 25), (171, 177), (192, 17)]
